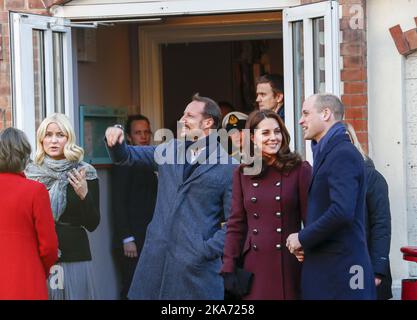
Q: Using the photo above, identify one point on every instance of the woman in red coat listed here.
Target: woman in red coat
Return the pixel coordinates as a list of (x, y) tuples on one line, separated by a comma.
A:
[(266, 208), (28, 242)]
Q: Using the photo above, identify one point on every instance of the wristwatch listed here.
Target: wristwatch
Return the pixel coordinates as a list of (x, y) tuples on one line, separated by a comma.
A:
[(119, 126)]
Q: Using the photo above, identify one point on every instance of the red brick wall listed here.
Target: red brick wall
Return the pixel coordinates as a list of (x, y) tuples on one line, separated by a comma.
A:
[(33, 6), (354, 69)]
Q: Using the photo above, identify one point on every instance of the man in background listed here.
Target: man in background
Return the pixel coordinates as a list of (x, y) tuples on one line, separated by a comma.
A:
[(270, 93), (134, 192)]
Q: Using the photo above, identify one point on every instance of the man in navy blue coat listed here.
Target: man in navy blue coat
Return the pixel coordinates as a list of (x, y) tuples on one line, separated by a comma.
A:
[(333, 242)]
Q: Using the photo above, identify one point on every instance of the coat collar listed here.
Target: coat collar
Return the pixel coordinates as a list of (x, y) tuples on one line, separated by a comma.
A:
[(217, 155), (327, 148), (13, 174), (265, 172)]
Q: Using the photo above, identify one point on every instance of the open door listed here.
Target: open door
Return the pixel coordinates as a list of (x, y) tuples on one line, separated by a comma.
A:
[(41, 70), (311, 61)]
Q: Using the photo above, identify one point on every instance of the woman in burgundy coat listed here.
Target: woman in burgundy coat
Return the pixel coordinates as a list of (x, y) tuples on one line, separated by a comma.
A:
[(28, 242), (266, 209)]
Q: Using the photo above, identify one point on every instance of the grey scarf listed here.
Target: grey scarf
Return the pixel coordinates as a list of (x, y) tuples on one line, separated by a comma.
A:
[(53, 174)]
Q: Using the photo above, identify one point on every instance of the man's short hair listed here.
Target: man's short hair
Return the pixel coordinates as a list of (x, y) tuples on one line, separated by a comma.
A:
[(328, 100), (276, 82), (136, 117), (211, 110)]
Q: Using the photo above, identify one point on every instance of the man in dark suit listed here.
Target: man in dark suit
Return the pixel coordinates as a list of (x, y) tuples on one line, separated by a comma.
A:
[(134, 192), (270, 93), (336, 261)]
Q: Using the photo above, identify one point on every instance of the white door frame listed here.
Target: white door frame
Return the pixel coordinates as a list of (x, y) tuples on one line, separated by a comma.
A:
[(150, 60), (106, 9), (306, 13), (23, 83)]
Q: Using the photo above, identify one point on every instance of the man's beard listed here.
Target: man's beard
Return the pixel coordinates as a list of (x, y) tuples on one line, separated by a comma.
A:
[(192, 134)]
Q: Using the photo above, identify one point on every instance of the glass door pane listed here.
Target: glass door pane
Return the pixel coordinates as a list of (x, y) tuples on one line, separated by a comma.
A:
[(58, 63), (319, 56), (41, 70), (39, 76), (298, 72), (311, 60)]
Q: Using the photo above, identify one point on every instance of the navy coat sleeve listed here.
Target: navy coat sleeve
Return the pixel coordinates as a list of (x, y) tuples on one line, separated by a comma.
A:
[(344, 172), (304, 180), (379, 222)]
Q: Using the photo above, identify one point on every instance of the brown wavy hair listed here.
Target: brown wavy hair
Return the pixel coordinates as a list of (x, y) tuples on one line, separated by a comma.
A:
[(14, 150), (285, 160)]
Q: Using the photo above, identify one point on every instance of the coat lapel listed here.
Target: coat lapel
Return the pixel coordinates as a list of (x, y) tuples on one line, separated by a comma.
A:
[(323, 154), (202, 168)]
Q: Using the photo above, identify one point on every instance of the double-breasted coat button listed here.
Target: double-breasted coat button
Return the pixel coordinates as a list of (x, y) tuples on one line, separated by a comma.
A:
[(254, 247), (277, 198), (255, 184), (278, 246), (255, 231), (278, 214), (253, 199), (256, 216), (278, 183), (279, 230)]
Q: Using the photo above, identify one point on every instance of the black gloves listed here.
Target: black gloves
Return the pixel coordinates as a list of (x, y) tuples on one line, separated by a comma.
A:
[(238, 283)]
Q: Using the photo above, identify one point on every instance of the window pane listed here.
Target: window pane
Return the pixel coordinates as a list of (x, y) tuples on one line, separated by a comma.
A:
[(319, 56), (39, 76), (59, 105), (298, 65)]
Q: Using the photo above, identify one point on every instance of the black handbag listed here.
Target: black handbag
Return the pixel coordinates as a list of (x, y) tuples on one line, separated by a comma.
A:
[(243, 282), (237, 284)]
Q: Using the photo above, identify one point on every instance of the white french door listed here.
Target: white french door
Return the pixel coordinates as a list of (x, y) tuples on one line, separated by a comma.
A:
[(311, 61), (42, 71)]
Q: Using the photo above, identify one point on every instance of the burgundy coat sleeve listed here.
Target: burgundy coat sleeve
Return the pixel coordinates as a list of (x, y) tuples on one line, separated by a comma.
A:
[(236, 226), (304, 180), (45, 228)]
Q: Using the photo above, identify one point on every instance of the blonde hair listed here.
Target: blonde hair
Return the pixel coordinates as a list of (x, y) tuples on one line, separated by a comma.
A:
[(72, 152), (352, 134)]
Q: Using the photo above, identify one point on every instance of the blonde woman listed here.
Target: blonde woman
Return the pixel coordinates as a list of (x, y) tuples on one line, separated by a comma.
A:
[(74, 194)]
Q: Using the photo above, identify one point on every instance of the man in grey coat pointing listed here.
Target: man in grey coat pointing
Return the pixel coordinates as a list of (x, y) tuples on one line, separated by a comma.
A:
[(181, 257)]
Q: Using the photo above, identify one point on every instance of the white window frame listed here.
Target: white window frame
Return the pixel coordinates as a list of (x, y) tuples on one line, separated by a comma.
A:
[(23, 95), (133, 9), (329, 10)]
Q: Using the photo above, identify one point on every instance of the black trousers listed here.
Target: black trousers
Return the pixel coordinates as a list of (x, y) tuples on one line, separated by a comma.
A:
[(126, 269)]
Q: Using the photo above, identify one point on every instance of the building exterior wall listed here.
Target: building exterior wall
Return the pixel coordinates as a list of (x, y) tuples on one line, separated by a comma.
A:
[(411, 150), (391, 92)]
